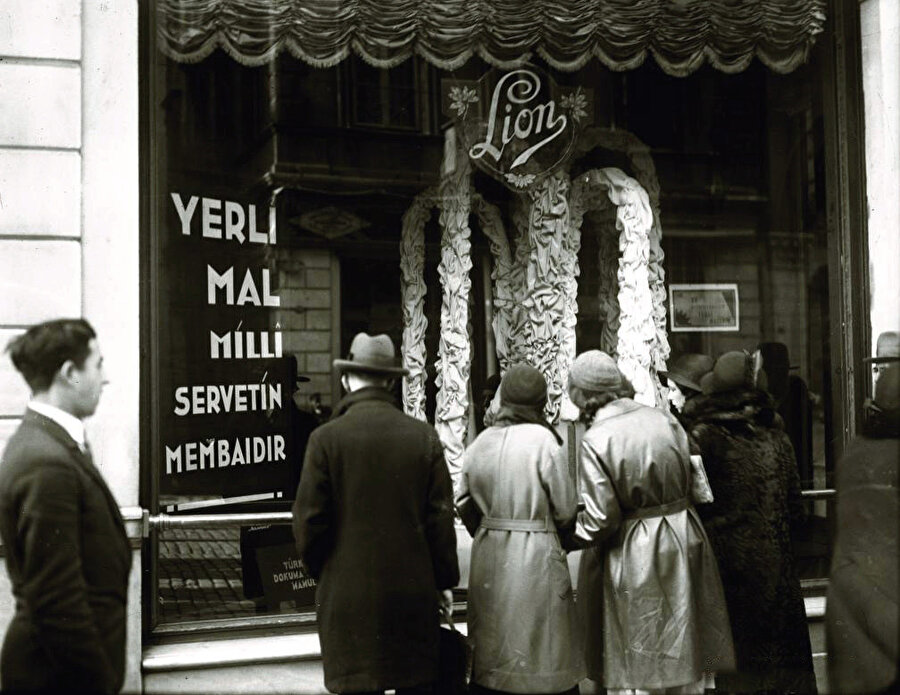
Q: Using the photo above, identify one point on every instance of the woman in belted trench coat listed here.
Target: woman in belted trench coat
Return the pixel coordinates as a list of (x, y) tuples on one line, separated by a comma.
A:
[(515, 491), (649, 590)]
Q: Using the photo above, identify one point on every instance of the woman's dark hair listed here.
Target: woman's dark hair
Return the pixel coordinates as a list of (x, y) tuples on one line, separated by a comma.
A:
[(589, 402), (41, 350)]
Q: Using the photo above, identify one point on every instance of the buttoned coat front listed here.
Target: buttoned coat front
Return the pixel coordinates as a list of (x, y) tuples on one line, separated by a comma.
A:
[(373, 521), (522, 620), (649, 588), (68, 559)]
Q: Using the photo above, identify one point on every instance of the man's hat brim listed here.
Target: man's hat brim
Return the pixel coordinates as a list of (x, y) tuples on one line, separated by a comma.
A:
[(881, 360), (681, 381), (352, 366)]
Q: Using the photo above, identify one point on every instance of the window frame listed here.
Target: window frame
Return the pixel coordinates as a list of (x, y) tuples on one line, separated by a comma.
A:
[(839, 47)]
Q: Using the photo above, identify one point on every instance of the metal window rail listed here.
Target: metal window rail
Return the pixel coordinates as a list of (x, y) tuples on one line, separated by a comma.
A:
[(163, 522), (824, 494)]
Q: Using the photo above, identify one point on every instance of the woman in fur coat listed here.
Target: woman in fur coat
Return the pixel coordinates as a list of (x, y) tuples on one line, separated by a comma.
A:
[(753, 475)]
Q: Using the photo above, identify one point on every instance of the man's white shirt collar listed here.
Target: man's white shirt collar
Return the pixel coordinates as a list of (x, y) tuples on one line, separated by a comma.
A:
[(71, 424)]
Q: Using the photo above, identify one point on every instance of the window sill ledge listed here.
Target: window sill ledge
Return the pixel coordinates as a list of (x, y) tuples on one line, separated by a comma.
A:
[(244, 651), (273, 649)]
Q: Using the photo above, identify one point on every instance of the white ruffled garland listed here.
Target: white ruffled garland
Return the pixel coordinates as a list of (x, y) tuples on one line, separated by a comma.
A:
[(618, 140), (455, 201), (518, 340), (502, 275), (636, 342), (454, 350), (412, 290), (544, 303), (568, 346)]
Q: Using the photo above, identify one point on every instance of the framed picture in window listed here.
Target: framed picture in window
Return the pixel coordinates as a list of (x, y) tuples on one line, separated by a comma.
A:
[(702, 308)]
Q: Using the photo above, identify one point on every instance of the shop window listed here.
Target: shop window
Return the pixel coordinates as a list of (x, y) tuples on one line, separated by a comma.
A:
[(272, 238)]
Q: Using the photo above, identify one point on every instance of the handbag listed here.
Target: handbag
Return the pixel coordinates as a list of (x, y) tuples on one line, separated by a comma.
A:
[(701, 492), (454, 661)]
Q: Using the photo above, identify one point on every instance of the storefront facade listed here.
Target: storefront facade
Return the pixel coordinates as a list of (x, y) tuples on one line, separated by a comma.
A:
[(229, 219)]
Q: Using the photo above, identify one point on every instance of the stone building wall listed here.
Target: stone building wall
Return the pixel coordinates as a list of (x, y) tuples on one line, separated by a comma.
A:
[(69, 222), (309, 291)]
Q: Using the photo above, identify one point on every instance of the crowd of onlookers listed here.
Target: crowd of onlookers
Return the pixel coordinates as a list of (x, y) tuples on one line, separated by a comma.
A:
[(684, 518), (687, 578)]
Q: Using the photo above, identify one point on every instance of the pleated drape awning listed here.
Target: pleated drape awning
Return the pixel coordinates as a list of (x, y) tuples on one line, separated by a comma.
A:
[(680, 34)]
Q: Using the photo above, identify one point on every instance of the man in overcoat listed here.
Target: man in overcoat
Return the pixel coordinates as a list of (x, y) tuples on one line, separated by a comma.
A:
[(373, 521), (862, 619), (67, 553)]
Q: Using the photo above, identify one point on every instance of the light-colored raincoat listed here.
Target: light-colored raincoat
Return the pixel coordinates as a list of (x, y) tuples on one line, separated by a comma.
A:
[(650, 596), (514, 492)]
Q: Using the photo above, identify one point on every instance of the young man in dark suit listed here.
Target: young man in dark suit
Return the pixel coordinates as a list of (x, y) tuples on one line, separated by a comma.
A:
[(67, 553), (373, 520)]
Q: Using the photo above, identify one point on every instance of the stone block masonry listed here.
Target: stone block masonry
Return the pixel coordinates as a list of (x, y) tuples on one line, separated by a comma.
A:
[(307, 284), (69, 220)]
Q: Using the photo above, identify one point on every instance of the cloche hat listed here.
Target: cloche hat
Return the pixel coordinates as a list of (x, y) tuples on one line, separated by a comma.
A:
[(594, 370), (734, 370), (523, 385), (372, 355)]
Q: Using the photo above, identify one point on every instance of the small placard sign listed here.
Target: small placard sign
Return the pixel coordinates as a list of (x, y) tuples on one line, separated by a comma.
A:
[(701, 308), (283, 577)]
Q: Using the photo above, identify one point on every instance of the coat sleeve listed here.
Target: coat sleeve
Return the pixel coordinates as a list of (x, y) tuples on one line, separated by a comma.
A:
[(559, 485), (601, 514), (466, 506), (439, 529), (53, 583), (313, 510)]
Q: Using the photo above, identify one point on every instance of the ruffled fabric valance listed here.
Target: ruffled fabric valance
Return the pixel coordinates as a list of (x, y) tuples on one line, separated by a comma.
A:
[(680, 34)]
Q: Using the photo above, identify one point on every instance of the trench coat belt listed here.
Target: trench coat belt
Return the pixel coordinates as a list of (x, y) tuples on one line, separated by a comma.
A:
[(533, 525), (660, 510)]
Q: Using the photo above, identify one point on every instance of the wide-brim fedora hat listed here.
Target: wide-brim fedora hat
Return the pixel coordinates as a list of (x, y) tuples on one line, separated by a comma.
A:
[(688, 369), (887, 348), (775, 356), (372, 354)]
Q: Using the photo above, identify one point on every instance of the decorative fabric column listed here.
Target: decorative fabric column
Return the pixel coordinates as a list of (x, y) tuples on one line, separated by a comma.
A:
[(626, 302), (608, 289), (501, 274), (412, 290), (517, 343), (567, 339), (658, 293), (590, 195), (544, 302), (644, 171), (454, 350), (637, 330)]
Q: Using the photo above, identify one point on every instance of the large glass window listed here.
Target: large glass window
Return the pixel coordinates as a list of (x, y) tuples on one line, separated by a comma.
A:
[(278, 196)]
